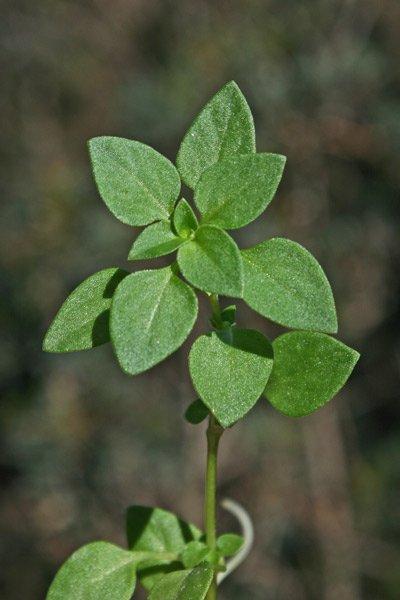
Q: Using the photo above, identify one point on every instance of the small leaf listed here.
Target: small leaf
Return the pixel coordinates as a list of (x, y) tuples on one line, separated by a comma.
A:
[(235, 191), (151, 316), (229, 370), (137, 183), (285, 283), (193, 553), (156, 530), (223, 128), (82, 321), (212, 262), (185, 221), (197, 412), (309, 369), (191, 584), (98, 571), (157, 239), (229, 544), (228, 315)]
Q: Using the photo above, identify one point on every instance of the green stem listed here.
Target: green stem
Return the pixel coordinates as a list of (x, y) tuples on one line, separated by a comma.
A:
[(214, 433), (215, 309)]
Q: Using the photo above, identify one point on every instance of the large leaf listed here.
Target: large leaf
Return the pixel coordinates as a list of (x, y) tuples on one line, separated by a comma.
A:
[(212, 262), (235, 191), (309, 369), (224, 127), (229, 370), (137, 183), (82, 321), (284, 282), (159, 531), (191, 584), (157, 239), (98, 571), (185, 221), (152, 313)]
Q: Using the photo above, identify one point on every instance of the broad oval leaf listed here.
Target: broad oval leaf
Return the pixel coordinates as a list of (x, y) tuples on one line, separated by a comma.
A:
[(157, 239), (224, 127), (159, 531), (309, 369), (193, 553), (185, 221), (285, 283), (235, 191), (98, 571), (229, 370), (191, 584), (151, 316), (83, 320), (212, 262), (137, 183)]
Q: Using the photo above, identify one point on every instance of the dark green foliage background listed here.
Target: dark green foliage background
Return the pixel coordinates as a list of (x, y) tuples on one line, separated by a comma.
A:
[(79, 441)]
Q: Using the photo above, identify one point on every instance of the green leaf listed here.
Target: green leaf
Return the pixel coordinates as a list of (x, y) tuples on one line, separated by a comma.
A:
[(235, 191), (212, 262), (197, 412), (223, 128), (284, 282), (229, 370), (98, 571), (151, 316), (191, 584), (156, 530), (309, 369), (82, 321), (137, 183), (157, 239), (228, 315), (193, 553), (185, 221), (229, 544)]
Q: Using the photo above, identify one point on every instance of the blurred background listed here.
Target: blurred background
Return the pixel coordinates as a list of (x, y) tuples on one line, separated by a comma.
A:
[(79, 440)]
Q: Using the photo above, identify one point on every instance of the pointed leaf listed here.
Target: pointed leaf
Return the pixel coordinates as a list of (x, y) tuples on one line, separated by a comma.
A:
[(98, 571), (223, 128), (235, 191), (157, 239), (192, 584), (82, 321), (151, 316), (197, 412), (156, 530), (285, 283), (137, 183), (185, 221), (229, 543), (309, 369), (229, 370), (212, 262), (193, 553)]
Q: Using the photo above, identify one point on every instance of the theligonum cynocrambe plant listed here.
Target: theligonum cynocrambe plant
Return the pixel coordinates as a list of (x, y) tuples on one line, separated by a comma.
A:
[(148, 315)]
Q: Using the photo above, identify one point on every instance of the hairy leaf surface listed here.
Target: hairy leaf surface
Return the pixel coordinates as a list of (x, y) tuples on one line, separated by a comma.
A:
[(309, 369), (157, 239), (229, 370), (151, 316), (224, 127), (83, 320), (284, 282), (98, 571), (212, 262), (236, 190), (137, 183)]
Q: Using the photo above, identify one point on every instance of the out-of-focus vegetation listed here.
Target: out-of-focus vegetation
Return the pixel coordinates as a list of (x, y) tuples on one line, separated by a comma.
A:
[(80, 441)]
